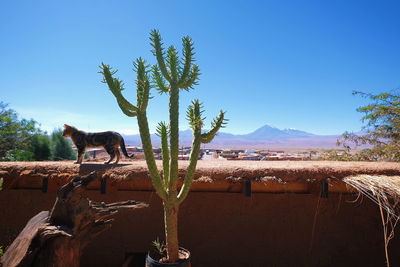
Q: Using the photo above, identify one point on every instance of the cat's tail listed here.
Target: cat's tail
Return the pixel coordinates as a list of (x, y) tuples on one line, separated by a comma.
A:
[(123, 148)]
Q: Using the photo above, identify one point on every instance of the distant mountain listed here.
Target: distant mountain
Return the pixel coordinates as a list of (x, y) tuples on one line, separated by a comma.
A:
[(264, 137), (268, 132)]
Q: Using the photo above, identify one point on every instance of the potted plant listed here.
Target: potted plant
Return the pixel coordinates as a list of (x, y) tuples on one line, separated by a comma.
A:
[(169, 76)]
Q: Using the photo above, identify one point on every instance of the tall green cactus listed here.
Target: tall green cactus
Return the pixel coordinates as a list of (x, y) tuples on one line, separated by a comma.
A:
[(169, 75)]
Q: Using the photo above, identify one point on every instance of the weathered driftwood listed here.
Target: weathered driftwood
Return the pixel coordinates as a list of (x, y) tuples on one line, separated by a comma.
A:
[(57, 238)]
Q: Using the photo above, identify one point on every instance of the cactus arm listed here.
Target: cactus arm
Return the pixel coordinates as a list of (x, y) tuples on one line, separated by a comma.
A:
[(143, 92), (173, 64), (162, 131), (194, 116), (188, 53), (218, 123), (173, 136), (124, 104), (194, 154), (127, 112), (148, 151), (143, 96), (142, 83), (159, 81), (192, 78), (158, 52), (116, 86)]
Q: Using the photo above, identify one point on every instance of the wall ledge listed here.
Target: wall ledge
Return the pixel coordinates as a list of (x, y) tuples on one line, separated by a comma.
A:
[(211, 176)]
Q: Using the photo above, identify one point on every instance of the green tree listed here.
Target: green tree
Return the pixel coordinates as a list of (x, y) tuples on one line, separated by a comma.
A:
[(41, 147), (381, 132), (61, 147), (169, 76), (1, 188), (19, 155), (15, 134)]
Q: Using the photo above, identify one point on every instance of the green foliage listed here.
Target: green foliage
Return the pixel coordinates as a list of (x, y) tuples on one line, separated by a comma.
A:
[(22, 140), (19, 155), (348, 155), (1, 188), (61, 147), (15, 134), (381, 132), (169, 76), (159, 245), (41, 147)]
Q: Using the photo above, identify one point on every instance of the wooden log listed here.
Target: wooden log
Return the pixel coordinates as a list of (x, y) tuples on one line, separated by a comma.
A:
[(57, 238)]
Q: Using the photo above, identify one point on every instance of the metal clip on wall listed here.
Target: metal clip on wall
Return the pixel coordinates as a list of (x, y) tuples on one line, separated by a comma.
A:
[(45, 185), (325, 188), (103, 185), (247, 188)]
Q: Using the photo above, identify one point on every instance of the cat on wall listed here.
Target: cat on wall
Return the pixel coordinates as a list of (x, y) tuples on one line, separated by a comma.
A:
[(110, 141)]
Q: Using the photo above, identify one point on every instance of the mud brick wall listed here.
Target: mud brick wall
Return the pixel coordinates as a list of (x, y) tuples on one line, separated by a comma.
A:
[(282, 222)]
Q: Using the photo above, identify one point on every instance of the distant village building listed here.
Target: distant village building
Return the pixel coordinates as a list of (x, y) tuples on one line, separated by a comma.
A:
[(251, 157), (228, 154), (249, 151), (98, 154)]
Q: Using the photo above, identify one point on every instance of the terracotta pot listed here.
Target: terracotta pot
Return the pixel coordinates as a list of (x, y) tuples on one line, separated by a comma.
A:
[(153, 261)]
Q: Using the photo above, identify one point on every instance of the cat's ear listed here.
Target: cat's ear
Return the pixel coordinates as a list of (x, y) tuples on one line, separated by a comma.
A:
[(66, 126)]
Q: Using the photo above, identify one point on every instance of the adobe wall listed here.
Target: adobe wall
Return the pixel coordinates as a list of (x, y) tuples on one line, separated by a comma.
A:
[(283, 223), (229, 229)]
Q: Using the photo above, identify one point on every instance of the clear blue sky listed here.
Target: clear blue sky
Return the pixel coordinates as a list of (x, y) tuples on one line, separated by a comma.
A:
[(291, 64)]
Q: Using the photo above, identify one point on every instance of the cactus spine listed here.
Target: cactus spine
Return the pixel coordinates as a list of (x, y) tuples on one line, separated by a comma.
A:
[(167, 76)]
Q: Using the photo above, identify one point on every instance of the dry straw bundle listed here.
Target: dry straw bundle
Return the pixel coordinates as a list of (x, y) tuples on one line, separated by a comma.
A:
[(384, 191)]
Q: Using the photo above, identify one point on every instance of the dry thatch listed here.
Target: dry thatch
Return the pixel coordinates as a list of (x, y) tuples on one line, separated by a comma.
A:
[(384, 191)]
